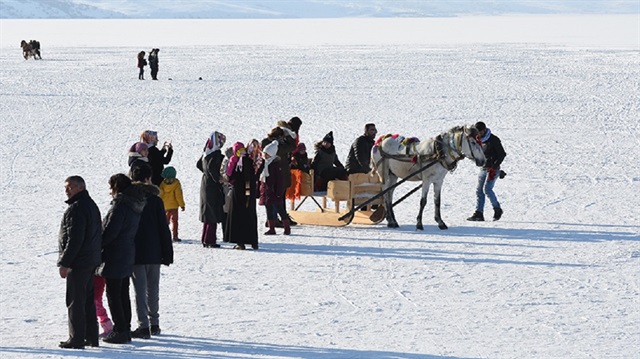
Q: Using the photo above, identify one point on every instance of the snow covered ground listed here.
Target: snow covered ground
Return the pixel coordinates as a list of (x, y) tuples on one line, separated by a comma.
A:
[(557, 277)]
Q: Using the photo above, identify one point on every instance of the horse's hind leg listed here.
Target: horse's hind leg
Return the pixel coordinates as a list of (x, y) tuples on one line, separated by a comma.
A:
[(437, 187)]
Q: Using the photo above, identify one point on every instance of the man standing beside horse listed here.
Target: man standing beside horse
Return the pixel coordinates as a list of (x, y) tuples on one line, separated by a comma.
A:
[(494, 152)]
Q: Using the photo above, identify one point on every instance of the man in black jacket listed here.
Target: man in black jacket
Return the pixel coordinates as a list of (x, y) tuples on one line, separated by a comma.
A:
[(153, 248), (79, 245), (359, 158), (494, 152)]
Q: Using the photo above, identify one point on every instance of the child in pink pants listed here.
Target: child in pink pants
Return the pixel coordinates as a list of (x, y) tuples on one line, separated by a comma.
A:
[(101, 312)]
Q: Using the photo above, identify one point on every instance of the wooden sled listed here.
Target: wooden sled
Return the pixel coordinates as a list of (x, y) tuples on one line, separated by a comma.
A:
[(342, 196)]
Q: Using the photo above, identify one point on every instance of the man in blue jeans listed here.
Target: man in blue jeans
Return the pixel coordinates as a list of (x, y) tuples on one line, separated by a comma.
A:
[(494, 152)]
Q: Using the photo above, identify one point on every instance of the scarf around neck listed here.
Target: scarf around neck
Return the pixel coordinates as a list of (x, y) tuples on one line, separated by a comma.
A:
[(486, 136)]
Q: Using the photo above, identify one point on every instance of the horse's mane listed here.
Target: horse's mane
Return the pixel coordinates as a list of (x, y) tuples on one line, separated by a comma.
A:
[(456, 129), (470, 131)]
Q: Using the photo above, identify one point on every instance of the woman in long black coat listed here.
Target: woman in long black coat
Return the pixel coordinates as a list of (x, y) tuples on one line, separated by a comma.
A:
[(242, 221), (211, 193), (118, 252)]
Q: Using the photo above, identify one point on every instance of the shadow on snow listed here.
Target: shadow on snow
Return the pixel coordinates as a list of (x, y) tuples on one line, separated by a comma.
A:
[(174, 346)]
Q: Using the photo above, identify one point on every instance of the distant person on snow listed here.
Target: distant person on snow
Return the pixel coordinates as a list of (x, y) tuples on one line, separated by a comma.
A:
[(494, 152), (153, 63), (141, 64)]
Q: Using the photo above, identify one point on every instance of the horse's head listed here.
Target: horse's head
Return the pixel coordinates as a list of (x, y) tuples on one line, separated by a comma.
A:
[(23, 44), (471, 147)]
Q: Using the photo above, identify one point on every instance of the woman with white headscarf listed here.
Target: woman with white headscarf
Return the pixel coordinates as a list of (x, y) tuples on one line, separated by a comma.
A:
[(272, 189), (211, 193)]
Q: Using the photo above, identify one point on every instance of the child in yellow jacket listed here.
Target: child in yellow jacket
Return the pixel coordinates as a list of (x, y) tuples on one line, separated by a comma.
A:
[(171, 194)]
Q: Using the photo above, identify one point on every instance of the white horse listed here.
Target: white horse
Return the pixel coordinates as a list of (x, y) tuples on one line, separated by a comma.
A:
[(395, 156)]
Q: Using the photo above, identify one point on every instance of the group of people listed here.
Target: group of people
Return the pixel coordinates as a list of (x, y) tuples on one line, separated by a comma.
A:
[(134, 238), (153, 64), (130, 243), (233, 184)]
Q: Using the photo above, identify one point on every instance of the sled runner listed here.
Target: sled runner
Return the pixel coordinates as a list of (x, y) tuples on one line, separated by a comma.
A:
[(339, 199)]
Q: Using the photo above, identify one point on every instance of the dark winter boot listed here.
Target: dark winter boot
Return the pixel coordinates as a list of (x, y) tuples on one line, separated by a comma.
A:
[(272, 227), (291, 221), (287, 226), (477, 217), (141, 333), (118, 337), (497, 213)]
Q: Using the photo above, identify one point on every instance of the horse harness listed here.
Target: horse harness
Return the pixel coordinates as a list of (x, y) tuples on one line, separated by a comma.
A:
[(442, 151)]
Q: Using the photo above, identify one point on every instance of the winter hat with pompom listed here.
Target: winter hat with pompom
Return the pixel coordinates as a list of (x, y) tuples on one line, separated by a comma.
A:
[(328, 137)]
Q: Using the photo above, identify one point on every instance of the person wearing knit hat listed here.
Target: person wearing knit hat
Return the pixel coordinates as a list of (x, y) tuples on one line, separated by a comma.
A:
[(171, 195), (328, 137), (211, 191), (326, 163), (299, 165), (495, 154), (300, 159)]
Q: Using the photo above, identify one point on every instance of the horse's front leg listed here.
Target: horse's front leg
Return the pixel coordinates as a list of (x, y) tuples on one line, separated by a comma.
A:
[(388, 206), (423, 203), (436, 202)]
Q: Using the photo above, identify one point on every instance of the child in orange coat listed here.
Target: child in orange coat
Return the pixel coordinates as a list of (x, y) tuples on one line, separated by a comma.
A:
[(171, 194)]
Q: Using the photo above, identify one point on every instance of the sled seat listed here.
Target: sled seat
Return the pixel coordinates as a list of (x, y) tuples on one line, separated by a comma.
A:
[(307, 186), (363, 187)]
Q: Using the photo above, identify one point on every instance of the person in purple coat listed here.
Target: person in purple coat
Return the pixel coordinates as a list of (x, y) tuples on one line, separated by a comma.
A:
[(272, 189)]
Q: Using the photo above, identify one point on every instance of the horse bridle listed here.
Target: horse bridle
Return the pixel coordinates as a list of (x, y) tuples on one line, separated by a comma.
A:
[(457, 147)]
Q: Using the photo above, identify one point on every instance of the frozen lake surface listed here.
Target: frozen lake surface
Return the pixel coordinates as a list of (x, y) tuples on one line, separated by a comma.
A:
[(556, 277)]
